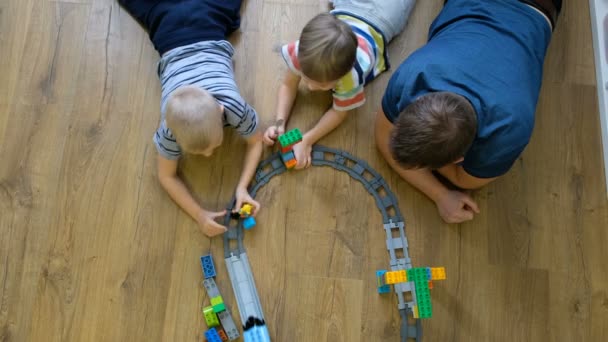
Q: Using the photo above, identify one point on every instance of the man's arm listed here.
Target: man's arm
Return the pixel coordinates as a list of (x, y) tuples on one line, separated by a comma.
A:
[(252, 159), (459, 177), (453, 206), (175, 187)]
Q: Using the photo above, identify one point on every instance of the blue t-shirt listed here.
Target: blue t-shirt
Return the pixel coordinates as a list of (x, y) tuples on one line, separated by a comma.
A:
[(491, 52)]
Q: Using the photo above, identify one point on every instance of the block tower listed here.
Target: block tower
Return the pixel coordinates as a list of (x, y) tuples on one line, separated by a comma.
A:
[(220, 323), (287, 141), (422, 279)]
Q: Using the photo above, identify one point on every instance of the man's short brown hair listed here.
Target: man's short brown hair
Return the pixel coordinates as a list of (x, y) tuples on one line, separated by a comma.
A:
[(433, 131), (327, 48)]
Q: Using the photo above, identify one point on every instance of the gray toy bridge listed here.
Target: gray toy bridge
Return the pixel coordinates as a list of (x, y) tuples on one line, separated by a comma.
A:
[(393, 223)]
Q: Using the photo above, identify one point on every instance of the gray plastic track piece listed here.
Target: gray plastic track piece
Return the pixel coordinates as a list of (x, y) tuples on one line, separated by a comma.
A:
[(394, 226)]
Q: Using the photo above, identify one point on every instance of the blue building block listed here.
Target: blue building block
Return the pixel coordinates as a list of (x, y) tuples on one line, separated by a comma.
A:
[(428, 273), (249, 222), (382, 288), (288, 156), (212, 335), (208, 268)]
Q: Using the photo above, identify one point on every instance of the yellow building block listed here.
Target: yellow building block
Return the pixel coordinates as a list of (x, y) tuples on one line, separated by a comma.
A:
[(246, 209), (394, 277), (415, 312), (438, 273)]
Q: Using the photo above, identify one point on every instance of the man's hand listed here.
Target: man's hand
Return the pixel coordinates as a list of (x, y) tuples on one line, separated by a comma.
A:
[(273, 132), (456, 207), (208, 225), (242, 197), (302, 152)]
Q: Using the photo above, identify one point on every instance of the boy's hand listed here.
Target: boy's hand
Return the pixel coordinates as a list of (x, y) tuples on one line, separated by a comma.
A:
[(242, 197), (273, 132), (456, 207), (208, 225), (302, 151)]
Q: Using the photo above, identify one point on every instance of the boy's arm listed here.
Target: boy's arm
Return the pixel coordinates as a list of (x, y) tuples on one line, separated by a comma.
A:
[(328, 122), (286, 96), (175, 187), (252, 159), (453, 206)]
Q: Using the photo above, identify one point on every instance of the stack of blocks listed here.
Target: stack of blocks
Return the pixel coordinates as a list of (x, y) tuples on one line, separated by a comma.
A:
[(421, 277), (245, 212), (216, 314), (287, 141)]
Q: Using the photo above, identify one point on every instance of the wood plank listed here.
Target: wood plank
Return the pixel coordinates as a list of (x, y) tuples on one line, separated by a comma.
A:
[(92, 249)]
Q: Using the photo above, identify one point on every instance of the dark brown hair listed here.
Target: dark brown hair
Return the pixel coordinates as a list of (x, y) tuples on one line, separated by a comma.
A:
[(327, 48), (433, 131)]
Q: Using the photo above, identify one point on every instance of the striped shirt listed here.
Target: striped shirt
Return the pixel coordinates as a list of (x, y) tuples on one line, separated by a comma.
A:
[(371, 60), (208, 65)]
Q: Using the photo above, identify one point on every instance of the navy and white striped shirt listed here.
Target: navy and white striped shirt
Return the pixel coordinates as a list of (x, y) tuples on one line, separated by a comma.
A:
[(208, 65)]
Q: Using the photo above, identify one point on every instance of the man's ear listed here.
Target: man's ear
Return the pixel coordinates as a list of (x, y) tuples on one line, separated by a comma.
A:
[(459, 160)]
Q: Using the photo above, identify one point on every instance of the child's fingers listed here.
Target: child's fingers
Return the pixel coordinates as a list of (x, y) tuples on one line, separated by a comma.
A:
[(217, 214), (237, 206), (215, 229), (268, 140), (256, 206)]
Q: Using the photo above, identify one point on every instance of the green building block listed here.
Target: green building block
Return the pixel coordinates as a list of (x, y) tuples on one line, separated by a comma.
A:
[(211, 317), (423, 299), (419, 276), (218, 304), (290, 137)]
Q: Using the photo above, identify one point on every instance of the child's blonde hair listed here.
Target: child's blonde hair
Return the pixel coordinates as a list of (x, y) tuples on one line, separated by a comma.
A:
[(195, 118), (327, 48)]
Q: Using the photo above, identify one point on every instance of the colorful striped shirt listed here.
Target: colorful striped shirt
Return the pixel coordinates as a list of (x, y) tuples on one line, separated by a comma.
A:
[(207, 65), (371, 60)]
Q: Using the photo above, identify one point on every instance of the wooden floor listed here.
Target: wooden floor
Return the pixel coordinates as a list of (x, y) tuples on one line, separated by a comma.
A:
[(92, 249)]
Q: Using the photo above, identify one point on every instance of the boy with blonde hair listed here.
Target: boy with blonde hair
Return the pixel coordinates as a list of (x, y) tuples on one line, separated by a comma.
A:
[(340, 51), (199, 95)]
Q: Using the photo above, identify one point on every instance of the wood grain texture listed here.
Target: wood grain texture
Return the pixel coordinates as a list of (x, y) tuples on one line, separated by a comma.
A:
[(92, 249)]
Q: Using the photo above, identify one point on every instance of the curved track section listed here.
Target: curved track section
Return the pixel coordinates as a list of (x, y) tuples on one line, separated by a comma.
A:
[(393, 224)]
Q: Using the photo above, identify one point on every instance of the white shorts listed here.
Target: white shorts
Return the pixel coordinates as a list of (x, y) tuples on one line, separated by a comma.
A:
[(389, 16)]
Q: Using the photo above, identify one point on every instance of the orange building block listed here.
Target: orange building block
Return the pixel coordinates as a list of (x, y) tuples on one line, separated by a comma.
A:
[(223, 335), (291, 163)]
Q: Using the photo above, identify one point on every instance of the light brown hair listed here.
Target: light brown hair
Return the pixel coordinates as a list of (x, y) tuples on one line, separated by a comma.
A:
[(327, 48)]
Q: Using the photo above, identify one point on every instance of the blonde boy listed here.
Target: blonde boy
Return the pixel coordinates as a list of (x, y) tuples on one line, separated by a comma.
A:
[(198, 93), (340, 51)]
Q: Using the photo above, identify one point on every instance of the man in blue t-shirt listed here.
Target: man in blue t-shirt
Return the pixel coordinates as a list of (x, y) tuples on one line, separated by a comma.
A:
[(463, 104)]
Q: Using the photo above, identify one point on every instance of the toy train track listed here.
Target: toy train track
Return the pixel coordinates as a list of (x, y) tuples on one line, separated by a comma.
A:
[(393, 224)]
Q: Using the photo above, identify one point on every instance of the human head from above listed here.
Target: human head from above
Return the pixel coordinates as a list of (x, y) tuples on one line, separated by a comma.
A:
[(195, 119), (326, 52), (435, 130)]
